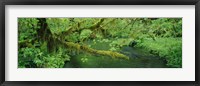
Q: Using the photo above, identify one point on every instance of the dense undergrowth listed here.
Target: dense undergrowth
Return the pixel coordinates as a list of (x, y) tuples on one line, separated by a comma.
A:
[(168, 48), (50, 42)]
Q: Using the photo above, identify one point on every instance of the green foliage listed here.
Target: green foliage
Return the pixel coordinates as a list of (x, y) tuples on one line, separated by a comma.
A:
[(168, 48), (159, 36), (58, 25), (26, 56), (74, 37), (84, 59), (85, 34), (32, 52), (27, 29), (118, 43), (167, 27), (35, 57)]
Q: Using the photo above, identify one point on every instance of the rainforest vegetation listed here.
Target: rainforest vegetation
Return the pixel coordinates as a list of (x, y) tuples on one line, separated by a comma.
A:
[(99, 42)]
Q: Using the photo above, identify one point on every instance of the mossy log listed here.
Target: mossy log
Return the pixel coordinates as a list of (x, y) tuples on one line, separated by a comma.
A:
[(85, 48), (94, 51)]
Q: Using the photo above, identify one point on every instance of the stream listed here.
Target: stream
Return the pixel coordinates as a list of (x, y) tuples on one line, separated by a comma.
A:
[(138, 58)]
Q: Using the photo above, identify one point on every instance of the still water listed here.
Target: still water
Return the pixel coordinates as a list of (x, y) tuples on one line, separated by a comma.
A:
[(138, 58)]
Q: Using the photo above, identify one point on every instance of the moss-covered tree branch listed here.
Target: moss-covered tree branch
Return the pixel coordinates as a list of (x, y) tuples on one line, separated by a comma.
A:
[(94, 51)]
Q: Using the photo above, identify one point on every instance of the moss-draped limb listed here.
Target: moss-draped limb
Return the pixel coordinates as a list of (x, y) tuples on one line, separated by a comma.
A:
[(94, 51)]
